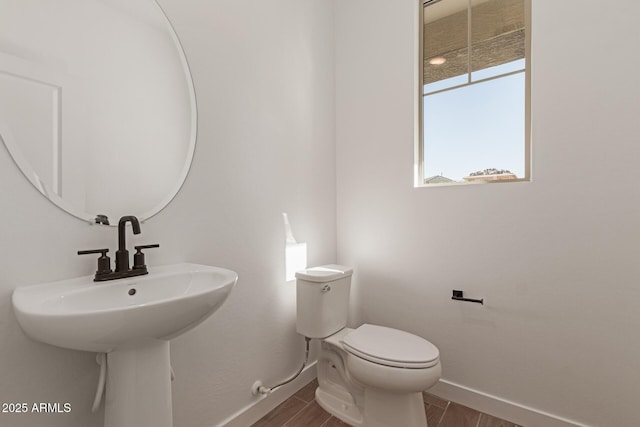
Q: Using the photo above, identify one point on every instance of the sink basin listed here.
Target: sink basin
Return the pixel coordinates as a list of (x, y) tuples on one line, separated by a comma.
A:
[(81, 314), (132, 321)]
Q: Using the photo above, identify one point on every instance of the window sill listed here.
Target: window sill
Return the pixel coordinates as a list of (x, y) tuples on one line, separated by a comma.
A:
[(472, 182)]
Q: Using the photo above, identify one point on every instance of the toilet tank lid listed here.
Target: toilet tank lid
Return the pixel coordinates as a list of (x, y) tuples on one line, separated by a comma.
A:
[(324, 273)]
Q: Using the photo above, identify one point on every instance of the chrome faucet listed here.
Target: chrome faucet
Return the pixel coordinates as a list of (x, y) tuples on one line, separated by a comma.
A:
[(122, 255)]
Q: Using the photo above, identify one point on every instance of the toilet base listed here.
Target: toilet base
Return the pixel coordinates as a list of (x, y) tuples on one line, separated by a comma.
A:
[(340, 406), (384, 409)]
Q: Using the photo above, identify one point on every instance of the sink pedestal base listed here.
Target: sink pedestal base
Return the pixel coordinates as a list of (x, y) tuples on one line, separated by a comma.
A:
[(139, 387)]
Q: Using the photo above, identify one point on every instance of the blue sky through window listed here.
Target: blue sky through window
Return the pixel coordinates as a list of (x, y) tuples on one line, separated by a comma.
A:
[(476, 127)]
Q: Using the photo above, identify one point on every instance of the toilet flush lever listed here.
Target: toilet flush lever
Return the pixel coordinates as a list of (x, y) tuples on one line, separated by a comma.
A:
[(325, 288)]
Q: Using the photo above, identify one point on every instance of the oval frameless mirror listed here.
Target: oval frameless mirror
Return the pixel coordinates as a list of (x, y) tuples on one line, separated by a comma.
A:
[(97, 105)]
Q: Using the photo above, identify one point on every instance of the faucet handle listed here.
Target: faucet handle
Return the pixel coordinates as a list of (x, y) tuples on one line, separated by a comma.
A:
[(104, 262), (138, 257)]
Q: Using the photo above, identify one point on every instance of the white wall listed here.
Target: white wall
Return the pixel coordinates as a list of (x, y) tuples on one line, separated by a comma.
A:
[(263, 73), (555, 259)]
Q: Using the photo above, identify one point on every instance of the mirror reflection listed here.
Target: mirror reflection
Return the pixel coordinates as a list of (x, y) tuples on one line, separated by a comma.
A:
[(97, 106)]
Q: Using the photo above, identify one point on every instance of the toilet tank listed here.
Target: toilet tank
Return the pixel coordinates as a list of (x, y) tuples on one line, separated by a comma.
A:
[(322, 300)]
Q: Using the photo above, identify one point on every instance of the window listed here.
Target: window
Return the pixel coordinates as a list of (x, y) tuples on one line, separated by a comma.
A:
[(474, 115)]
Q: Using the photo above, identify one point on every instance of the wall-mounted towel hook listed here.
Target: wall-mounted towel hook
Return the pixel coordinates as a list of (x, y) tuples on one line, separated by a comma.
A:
[(458, 296)]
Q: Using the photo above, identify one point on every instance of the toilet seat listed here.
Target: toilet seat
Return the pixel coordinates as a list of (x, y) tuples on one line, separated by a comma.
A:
[(391, 347)]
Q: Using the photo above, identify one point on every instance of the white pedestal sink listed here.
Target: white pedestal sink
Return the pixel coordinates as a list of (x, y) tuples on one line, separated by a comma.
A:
[(132, 320)]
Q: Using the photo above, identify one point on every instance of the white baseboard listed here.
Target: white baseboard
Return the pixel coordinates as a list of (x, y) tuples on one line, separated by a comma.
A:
[(264, 404), (502, 408)]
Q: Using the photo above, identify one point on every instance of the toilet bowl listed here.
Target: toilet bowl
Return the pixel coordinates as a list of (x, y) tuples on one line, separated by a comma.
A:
[(371, 376)]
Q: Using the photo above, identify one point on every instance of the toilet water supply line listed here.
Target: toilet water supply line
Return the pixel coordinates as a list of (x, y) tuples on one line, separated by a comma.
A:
[(101, 359), (258, 388)]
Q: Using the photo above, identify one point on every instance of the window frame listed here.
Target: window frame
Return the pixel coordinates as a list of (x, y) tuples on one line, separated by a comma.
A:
[(419, 152)]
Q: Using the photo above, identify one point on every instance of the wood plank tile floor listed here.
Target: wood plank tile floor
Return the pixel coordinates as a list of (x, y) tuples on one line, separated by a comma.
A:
[(301, 410)]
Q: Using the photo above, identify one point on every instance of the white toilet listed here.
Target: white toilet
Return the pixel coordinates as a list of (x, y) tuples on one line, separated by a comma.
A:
[(371, 376)]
